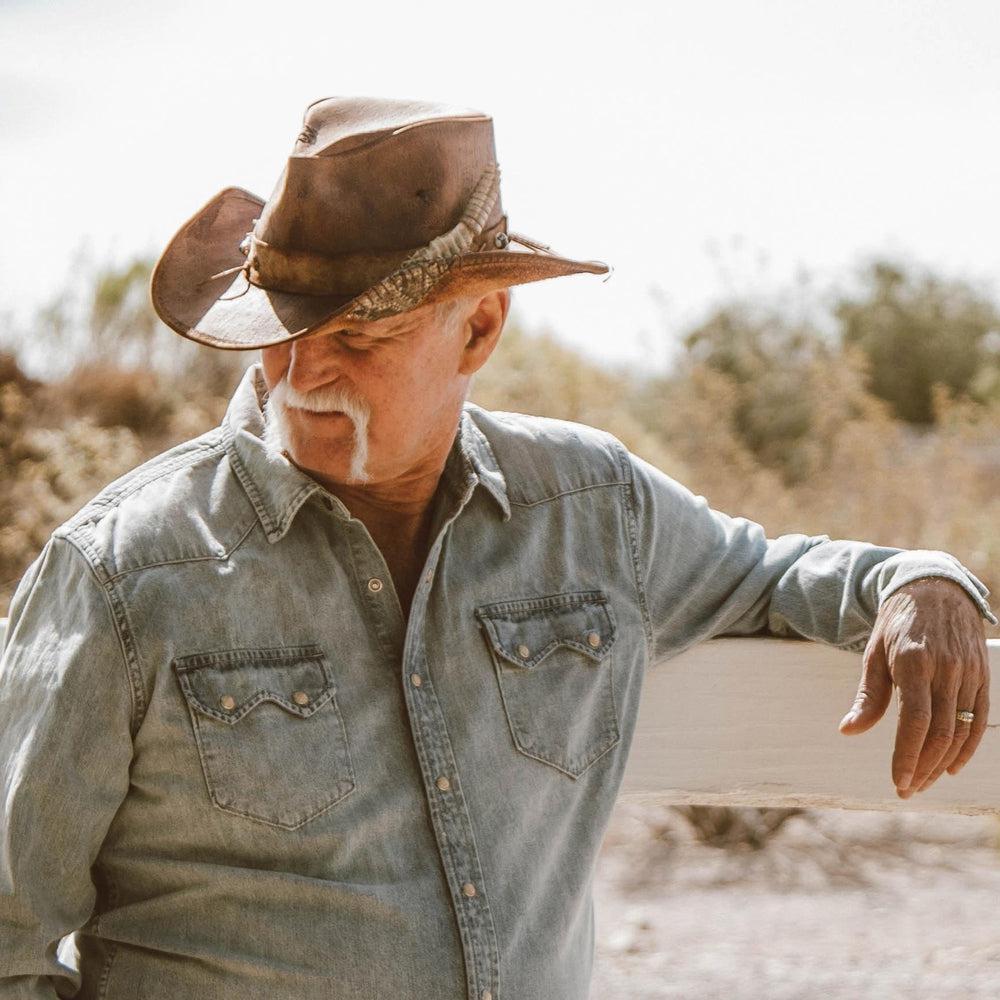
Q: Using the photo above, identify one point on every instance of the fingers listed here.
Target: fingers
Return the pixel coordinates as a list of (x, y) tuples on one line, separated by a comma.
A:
[(874, 693), (938, 740), (915, 716), (967, 698), (977, 728)]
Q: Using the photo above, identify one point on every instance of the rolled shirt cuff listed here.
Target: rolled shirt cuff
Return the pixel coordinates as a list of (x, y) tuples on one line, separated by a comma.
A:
[(914, 564)]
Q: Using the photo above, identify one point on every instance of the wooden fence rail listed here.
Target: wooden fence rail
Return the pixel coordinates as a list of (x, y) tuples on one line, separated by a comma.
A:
[(753, 722)]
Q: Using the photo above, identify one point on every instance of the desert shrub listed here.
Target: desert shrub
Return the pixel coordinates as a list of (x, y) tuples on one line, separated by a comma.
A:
[(48, 472), (117, 397), (532, 372), (11, 373), (739, 829), (781, 390), (919, 330)]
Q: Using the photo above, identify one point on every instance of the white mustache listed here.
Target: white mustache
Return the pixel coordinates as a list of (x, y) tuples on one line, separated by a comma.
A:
[(324, 399)]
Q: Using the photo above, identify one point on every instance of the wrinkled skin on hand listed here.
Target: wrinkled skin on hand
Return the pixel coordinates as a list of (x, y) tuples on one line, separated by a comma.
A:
[(929, 641)]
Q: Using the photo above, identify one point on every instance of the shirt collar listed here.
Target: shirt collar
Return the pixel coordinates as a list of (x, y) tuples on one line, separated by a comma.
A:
[(277, 488)]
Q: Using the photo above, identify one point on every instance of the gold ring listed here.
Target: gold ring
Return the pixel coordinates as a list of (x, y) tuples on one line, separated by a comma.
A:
[(964, 715)]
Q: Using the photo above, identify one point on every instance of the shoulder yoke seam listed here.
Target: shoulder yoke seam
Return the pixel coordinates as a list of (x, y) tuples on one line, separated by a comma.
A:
[(218, 556), (564, 493)]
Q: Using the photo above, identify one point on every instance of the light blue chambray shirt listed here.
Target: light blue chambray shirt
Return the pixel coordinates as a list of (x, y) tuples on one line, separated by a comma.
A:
[(231, 764)]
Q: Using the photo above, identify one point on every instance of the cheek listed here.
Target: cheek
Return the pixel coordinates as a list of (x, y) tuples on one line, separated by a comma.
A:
[(415, 393), (274, 362)]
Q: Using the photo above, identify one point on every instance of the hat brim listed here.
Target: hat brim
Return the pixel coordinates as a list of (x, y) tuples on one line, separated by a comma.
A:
[(232, 314)]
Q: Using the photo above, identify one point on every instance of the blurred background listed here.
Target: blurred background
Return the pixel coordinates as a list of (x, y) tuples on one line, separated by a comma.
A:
[(803, 324)]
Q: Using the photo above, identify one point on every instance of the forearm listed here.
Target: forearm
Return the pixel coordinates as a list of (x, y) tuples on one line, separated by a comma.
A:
[(702, 573), (833, 591)]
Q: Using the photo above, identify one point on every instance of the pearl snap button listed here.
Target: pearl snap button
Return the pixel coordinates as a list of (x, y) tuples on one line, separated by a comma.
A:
[(469, 889), (523, 651), (228, 702), (594, 639), (443, 783), (300, 698), (374, 584), (416, 680), (486, 995)]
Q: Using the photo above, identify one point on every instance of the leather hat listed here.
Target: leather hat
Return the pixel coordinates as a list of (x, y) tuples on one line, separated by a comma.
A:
[(383, 206)]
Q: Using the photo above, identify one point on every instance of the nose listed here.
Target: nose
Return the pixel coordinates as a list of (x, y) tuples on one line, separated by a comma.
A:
[(313, 361)]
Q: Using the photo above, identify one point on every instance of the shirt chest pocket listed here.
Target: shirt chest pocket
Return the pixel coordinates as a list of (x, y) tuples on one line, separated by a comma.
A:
[(553, 661), (270, 735)]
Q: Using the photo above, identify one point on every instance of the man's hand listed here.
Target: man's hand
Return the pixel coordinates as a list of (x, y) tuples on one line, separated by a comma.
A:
[(929, 640)]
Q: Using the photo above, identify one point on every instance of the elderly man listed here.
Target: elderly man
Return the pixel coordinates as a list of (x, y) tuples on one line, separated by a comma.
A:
[(334, 701)]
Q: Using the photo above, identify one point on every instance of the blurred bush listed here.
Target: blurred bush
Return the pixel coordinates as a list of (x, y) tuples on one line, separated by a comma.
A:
[(117, 397), (917, 331)]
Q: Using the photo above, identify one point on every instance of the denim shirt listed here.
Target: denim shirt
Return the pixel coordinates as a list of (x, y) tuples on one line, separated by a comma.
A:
[(232, 766)]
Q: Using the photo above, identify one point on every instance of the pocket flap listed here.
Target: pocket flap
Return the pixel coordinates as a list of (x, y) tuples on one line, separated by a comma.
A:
[(227, 685), (524, 632)]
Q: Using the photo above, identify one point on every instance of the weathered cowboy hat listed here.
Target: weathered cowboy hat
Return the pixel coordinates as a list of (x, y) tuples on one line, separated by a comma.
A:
[(383, 206)]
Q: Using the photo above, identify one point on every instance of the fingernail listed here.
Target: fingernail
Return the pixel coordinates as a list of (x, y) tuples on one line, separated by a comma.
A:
[(904, 784)]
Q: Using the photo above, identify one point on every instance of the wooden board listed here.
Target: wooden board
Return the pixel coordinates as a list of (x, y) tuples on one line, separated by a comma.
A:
[(754, 722)]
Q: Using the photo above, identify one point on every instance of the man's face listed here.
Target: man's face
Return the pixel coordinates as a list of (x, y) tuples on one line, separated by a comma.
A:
[(364, 403)]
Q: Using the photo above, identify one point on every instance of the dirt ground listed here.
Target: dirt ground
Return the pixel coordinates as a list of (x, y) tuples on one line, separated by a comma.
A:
[(839, 905)]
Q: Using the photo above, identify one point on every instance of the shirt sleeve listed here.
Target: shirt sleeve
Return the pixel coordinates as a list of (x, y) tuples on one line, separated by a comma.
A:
[(702, 573), (65, 748)]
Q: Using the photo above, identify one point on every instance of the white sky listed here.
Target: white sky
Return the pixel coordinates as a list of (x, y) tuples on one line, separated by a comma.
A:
[(787, 133)]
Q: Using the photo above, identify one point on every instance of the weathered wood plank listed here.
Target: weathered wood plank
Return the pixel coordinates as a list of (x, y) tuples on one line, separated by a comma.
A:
[(754, 722)]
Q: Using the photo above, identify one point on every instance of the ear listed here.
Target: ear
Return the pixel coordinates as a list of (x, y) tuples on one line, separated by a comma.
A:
[(482, 327)]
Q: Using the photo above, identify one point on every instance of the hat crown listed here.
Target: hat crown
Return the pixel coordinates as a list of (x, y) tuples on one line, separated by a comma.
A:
[(376, 175), (334, 125)]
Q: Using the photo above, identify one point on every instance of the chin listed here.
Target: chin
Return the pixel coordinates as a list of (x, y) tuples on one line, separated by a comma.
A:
[(320, 455), (337, 464)]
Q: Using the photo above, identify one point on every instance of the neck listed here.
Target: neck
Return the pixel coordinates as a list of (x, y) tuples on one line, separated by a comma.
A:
[(396, 511), (398, 517), (400, 505)]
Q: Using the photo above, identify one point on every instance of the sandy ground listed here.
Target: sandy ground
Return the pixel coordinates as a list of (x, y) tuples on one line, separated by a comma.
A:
[(839, 905)]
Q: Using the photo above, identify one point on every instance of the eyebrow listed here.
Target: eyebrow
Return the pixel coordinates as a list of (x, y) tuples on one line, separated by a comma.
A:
[(396, 328)]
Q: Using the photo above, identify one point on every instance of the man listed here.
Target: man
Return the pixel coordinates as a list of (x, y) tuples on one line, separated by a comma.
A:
[(334, 701)]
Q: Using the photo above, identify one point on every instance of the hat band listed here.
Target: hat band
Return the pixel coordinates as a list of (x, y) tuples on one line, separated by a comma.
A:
[(306, 273)]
